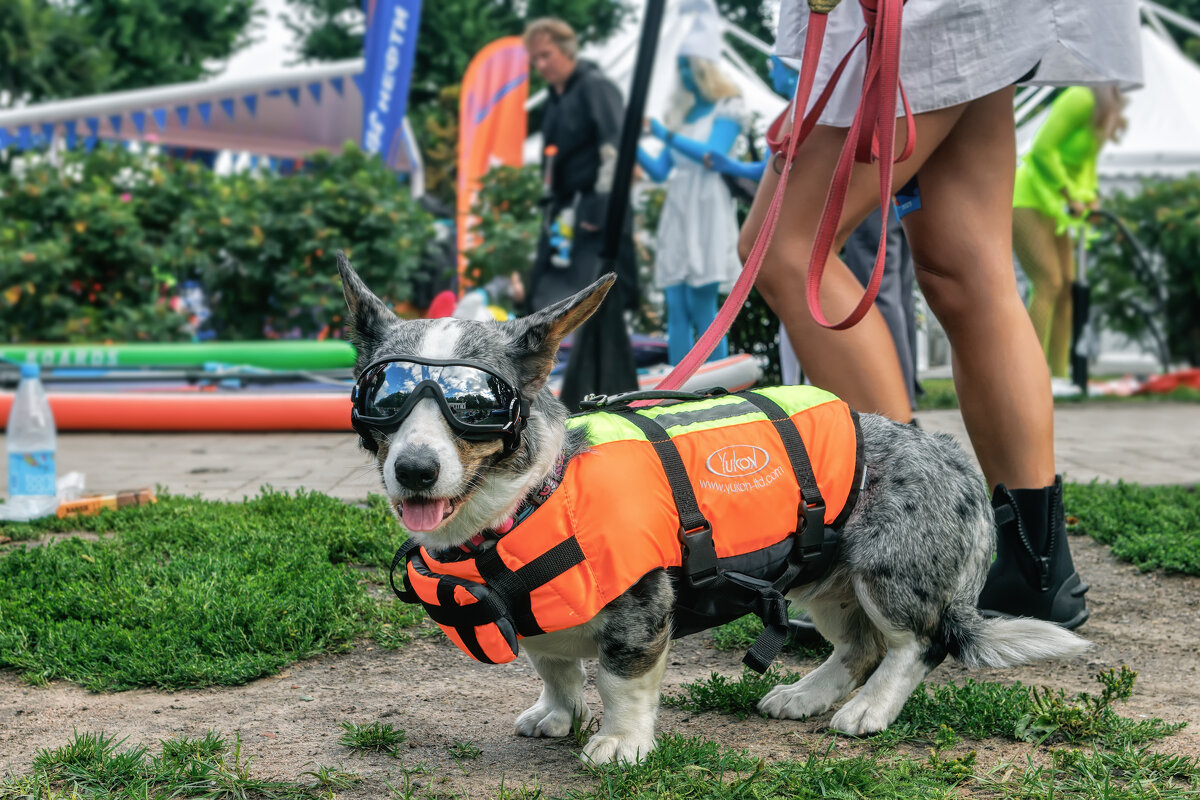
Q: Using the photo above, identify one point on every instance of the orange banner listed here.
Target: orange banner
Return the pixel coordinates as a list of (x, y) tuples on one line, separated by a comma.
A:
[(491, 125)]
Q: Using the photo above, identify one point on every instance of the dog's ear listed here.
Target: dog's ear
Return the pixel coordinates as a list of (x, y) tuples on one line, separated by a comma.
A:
[(369, 316), (536, 338)]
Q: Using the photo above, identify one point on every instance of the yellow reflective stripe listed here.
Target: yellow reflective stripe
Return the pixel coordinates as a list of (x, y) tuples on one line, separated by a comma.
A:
[(603, 427), (794, 399)]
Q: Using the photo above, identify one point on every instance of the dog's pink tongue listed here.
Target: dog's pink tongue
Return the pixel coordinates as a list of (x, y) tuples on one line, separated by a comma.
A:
[(423, 515)]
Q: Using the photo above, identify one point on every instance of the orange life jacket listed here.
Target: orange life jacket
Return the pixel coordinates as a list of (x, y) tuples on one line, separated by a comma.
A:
[(740, 497)]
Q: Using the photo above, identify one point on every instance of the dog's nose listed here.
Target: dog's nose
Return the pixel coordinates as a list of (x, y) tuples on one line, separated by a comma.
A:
[(417, 471)]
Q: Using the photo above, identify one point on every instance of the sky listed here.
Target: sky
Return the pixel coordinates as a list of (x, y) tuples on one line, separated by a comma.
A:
[(274, 48)]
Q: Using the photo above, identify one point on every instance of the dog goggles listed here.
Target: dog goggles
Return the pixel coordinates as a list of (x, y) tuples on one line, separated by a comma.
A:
[(476, 402)]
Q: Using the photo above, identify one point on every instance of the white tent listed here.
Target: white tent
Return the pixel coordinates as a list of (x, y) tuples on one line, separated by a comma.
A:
[(617, 56), (284, 114), (1163, 135)]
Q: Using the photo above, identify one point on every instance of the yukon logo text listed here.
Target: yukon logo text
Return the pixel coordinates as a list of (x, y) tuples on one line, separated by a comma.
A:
[(737, 460)]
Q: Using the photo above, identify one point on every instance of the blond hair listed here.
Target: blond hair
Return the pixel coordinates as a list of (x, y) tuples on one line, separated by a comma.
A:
[(560, 34), (712, 84), (1108, 118)]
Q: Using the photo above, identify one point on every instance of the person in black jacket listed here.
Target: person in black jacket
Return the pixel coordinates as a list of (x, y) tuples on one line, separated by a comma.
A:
[(580, 129)]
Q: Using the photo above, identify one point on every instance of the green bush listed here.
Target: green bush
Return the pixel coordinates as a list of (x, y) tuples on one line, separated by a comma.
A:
[(1165, 218), (94, 248), (508, 222)]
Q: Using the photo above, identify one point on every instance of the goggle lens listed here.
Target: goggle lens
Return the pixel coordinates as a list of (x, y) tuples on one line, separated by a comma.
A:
[(473, 396)]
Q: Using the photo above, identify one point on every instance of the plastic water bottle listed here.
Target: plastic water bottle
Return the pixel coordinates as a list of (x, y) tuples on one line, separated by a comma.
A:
[(31, 439)]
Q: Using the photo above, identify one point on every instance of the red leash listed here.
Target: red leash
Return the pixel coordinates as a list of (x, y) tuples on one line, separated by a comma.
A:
[(871, 134)]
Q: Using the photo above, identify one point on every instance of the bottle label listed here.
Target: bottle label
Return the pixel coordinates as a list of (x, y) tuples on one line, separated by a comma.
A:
[(31, 473)]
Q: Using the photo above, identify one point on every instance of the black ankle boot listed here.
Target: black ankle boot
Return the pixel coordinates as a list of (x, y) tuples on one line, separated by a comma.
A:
[(1033, 575)]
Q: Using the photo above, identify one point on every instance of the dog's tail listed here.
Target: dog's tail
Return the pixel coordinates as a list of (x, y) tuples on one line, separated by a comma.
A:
[(979, 641)]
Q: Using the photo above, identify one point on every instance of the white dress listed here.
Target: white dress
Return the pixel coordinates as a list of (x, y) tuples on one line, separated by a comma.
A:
[(697, 230), (952, 51)]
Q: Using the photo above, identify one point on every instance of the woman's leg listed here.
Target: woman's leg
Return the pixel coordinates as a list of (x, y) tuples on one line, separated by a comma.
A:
[(858, 364), (961, 240), (679, 323), (1059, 351), (1037, 249), (702, 307)]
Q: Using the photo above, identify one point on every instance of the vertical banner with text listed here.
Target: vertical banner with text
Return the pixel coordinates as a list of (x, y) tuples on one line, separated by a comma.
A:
[(389, 48), (491, 125)]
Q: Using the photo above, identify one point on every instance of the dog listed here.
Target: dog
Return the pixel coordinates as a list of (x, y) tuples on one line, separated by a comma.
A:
[(900, 596)]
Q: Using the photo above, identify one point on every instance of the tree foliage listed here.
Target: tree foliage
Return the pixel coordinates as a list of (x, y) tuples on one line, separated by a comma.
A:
[(52, 49)]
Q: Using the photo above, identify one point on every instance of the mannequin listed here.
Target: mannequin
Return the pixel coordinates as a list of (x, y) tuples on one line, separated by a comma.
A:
[(697, 232)]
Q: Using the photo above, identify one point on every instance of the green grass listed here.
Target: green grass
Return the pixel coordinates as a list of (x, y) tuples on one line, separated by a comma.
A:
[(375, 737), (940, 715), (729, 696), (741, 633), (940, 394), (191, 593), (1154, 527), (95, 765)]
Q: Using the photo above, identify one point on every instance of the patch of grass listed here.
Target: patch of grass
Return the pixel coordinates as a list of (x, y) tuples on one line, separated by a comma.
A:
[(940, 394), (726, 696), (1155, 527), (1125, 774), (191, 593), (96, 765), (1022, 713), (463, 749), (691, 768), (939, 715), (376, 737), (741, 633)]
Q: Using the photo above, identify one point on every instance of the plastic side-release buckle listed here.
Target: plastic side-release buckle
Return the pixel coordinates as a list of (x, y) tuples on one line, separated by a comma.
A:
[(699, 556), (810, 525)]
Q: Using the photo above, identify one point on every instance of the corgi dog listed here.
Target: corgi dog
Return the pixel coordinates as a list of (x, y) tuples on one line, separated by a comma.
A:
[(463, 429)]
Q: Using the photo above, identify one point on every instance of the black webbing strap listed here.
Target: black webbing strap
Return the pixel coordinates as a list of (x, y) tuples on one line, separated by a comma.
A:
[(810, 518), (406, 594), (695, 534), (515, 587), (462, 626)]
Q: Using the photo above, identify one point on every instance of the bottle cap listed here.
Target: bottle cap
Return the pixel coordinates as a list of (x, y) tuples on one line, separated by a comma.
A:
[(30, 370)]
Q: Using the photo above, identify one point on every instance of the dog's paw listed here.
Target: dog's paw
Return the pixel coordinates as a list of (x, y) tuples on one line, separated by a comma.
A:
[(794, 701), (860, 719), (608, 748), (545, 720)]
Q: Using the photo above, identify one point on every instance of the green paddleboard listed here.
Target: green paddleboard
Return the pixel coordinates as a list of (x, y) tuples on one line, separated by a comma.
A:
[(295, 355)]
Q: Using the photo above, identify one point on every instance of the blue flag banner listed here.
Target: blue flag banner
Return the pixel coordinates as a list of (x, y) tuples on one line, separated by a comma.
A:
[(205, 110), (70, 134), (360, 80), (93, 124), (48, 132), (315, 90), (391, 45), (182, 112), (251, 101), (227, 107), (24, 137), (139, 120), (115, 120), (5, 138), (274, 92), (160, 118), (294, 93), (337, 84)]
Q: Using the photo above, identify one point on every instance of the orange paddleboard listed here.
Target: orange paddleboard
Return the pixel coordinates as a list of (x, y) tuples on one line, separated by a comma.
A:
[(199, 411)]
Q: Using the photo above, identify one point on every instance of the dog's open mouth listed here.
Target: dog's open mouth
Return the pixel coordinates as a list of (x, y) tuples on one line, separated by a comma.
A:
[(425, 514)]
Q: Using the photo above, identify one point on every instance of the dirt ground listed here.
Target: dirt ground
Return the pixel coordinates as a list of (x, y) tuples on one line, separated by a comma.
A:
[(289, 723)]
